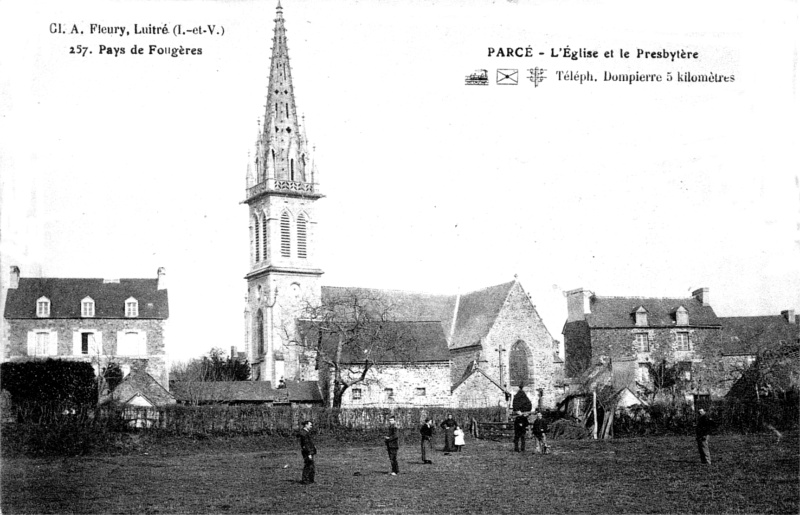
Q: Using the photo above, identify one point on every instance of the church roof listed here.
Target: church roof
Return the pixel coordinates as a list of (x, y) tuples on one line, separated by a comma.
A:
[(65, 297), (614, 312), (477, 310)]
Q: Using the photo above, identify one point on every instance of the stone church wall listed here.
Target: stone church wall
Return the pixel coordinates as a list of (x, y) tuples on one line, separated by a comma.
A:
[(406, 382)]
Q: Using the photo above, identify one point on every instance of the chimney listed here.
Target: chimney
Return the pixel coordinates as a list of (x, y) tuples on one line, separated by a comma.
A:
[(788, 314), (234, 355), (13, 280), (162, 278), (701, 294), (577, 304)]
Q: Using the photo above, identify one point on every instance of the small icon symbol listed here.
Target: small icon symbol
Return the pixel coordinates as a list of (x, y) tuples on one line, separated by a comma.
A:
[(479, 78), (507, 77), (537, 75)]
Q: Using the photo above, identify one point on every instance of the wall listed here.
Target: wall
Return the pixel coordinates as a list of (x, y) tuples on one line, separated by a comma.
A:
[(477, 391), (518, 320), (404, 379), (156, 351)]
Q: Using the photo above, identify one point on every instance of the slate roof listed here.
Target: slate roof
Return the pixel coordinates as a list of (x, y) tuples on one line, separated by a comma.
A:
[(743, 336), (477, 370), (477, 310), (617, 312), (228, 391), (246, 391), (65, 297), (418, 342)]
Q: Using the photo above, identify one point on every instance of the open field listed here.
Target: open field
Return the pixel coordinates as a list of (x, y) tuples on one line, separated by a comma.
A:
[(750, 474)]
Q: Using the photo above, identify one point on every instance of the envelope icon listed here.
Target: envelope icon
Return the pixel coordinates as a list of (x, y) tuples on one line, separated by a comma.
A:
[(507, 77)]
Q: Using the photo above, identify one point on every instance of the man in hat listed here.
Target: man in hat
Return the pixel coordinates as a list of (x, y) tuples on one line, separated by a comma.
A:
[(520, 431), (308, 449), (392, 445), (426, 431), (704, 427)]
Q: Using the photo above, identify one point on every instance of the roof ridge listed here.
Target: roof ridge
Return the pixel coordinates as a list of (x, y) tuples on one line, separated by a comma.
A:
[(640, 297), (392, 290)]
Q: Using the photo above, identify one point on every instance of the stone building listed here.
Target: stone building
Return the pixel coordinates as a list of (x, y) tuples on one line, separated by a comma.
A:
[(494, 334), (99, 321), (630, 335)]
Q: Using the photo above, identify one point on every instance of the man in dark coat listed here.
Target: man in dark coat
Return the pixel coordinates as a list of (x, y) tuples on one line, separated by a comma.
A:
[(539, 430), (426, 430), (704, 428), (392, 445), (449, 425), (520, 431), (308, 449)]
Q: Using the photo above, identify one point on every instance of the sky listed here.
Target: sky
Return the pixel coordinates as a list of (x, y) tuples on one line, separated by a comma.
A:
[(113, 166)]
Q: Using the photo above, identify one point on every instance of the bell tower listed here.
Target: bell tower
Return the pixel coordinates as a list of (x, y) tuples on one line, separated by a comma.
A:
[(281, 190)]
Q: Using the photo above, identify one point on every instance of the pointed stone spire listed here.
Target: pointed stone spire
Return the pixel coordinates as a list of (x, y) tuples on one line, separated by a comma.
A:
[(282, 132)]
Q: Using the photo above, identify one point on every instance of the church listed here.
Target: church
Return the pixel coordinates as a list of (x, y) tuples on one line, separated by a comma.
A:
[(471, 350)]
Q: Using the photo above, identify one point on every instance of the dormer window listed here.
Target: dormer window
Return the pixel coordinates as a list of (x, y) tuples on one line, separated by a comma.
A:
[(87, 307), (641, 317), (681, 316), (43, 307), (131, 308)]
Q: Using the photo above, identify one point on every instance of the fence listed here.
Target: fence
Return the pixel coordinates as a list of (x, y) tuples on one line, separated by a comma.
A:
[(243, 420)]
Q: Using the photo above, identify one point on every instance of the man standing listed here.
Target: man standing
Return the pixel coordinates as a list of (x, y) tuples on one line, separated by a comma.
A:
[(449, 425), (392, 445), (308, 449), (704, 427), (520, 431), (539, 429), (427, 435)]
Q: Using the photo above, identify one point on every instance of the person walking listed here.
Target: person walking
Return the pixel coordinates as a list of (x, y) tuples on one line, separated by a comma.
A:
[(458, 438), (449, 426), (539, 430), (704, 427), (426, 431), (520, 431), (392, 445), (308, 449)]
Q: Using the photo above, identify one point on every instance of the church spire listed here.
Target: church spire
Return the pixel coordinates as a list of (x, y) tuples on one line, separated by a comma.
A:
[(283, 153)]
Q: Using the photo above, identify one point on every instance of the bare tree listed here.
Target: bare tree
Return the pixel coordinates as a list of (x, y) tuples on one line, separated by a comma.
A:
[(351, 334)]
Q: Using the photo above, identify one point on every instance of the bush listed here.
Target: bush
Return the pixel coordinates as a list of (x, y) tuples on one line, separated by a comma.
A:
[(42, 384)]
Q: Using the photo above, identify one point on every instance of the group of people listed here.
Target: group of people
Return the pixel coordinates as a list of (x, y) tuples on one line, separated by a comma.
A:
[(454, 439)]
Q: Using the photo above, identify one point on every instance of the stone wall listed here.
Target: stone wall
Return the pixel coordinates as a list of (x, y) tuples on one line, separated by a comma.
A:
[(477, 391), (519, 321), (577, 348), (405, 380), (106, 329)]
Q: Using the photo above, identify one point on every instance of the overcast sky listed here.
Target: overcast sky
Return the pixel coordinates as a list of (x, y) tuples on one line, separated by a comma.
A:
[(115, 166)]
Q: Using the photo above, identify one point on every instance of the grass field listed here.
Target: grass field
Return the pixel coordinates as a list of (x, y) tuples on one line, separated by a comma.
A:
[(749, 474)]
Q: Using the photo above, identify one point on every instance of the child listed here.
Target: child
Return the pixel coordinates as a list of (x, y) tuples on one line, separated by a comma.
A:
[(459, 438)]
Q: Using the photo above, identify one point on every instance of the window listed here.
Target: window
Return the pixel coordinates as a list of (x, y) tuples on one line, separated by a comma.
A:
[(257, 226), (286, 246), (681, 316), (87, 307), (264, 237), (388, 393), (641, 316), (682, 341), (642, 342), (131, 307), (43, 307), (643, 373), (42, 343), (85, 342), (301, 236), (420, 392), (131, 343), (685, 368), (519, 372), (356, 394)]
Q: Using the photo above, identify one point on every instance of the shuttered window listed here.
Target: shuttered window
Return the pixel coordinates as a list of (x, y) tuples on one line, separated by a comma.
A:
[(264, 236), (286, 245), (258, 240), (301, 237)]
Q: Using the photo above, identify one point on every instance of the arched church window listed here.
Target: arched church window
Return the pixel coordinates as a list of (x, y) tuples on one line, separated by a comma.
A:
[(258, 240), (301, 236), (260, 332), (518, 364), (286, 246), (264, 236)]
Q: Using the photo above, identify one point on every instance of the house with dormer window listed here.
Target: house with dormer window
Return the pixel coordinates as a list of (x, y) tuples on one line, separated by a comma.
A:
[(637, 334), (99, 321)]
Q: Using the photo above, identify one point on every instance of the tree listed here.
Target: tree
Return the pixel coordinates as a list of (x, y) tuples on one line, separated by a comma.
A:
[(214, 366), (351, 334), (113, 376)]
